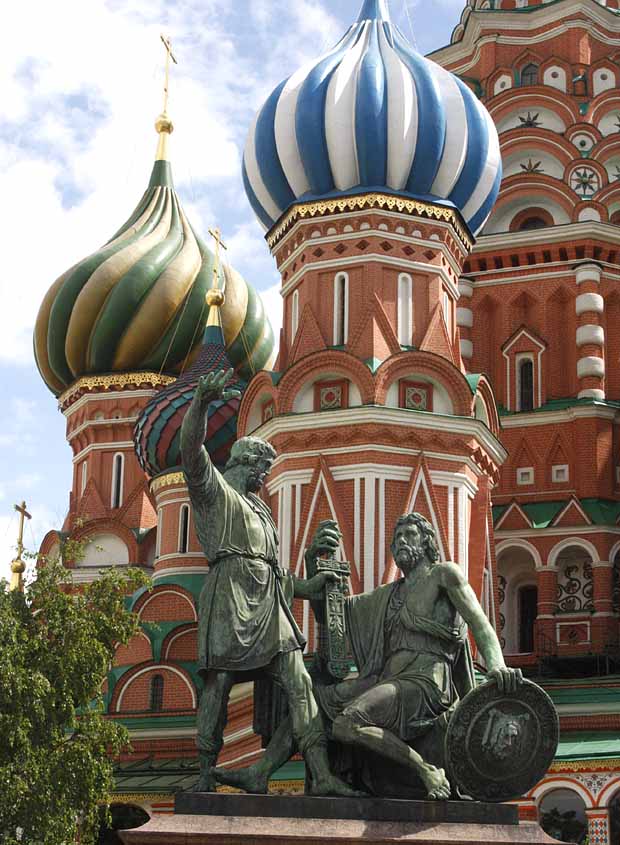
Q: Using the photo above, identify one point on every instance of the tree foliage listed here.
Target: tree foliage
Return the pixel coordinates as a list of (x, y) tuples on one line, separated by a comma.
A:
[(56, 647)]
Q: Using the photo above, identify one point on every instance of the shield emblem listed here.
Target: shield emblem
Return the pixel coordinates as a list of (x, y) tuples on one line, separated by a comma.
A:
[(499, 745)]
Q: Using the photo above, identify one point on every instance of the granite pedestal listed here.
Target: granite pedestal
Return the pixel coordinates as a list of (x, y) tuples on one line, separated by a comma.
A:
[(234, 819)]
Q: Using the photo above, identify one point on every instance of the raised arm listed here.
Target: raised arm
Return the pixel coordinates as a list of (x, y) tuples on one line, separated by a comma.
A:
[(465, 601), (197, 465)]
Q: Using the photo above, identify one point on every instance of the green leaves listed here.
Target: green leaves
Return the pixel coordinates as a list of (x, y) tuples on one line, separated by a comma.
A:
[(57, 643)]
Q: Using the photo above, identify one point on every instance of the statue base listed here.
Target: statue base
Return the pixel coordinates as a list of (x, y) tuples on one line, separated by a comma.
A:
[(237, 819)]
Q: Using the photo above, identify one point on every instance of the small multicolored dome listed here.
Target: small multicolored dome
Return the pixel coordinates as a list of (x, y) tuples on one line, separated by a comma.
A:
[(138, 303), (157, 434), (373, 114)]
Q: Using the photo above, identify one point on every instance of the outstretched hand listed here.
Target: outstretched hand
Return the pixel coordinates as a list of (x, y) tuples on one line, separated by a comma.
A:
[(212, 387), (507, 680)]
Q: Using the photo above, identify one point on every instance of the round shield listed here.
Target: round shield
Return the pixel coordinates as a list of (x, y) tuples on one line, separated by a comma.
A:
[(499, 745)]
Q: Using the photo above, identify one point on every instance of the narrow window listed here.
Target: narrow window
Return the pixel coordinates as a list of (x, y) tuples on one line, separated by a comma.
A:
[(157, 694), (447, 313), (405, 309), (160, 516), (117, 479), (528, 611), (526, 385), (84, 475), (184, 529), (294, 314), (529, 75), (341, 309)]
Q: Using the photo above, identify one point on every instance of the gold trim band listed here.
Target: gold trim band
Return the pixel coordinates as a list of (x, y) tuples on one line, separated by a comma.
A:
[(119, 380), (168, 480), (361, 201)]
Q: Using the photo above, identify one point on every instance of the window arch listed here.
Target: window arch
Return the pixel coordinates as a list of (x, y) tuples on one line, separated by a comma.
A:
[(341, 309), (156, 697), (118, 471), (447, 313), (160, 514), (525, 384), (405, 309), (84, 476), (294, 314), (529, 74), (184, 530)]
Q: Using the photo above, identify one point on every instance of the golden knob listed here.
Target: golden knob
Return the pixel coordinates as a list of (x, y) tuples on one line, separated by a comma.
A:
[(215, 297), (164, 124)]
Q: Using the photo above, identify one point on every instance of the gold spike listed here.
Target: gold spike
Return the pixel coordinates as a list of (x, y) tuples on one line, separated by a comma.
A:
[(18, 567), (163, 124), (215, 296)]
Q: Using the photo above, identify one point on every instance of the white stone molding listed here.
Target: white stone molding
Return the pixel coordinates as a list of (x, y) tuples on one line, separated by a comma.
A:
[(589, 302), (590, 334), (466, 288), (591, 365), (465, 317), (588, 273), (467, 348), (592, 393)]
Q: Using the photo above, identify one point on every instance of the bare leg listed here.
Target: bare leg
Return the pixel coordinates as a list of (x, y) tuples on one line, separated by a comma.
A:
[(211, 721), (256, 778), (388, 745), (307, 724)]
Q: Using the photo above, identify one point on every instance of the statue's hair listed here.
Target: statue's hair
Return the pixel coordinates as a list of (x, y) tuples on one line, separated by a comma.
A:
[(429, 537), (249, 450)]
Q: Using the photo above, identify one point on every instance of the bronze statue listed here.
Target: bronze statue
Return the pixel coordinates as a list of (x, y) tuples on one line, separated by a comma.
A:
[(246, 627), (409, 642)]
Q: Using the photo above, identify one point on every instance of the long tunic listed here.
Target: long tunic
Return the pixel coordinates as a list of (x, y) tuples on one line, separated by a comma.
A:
[(245, 620)]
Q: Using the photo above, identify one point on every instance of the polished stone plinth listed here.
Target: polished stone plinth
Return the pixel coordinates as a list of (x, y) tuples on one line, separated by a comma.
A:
[(233, 819)]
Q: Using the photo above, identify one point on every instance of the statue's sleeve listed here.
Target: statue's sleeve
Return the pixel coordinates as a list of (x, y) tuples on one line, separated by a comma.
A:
[(201, 476)]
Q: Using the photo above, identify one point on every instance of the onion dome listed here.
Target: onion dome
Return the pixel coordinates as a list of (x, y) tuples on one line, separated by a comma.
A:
[(138, 303), (157, 434), (372, 114)]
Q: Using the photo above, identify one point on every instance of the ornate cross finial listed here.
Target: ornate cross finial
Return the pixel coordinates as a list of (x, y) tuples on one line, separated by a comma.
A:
[(215, 296), (163, 124), (18, 567)]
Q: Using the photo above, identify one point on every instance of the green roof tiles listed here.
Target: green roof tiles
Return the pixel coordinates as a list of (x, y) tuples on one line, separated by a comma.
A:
[(542, 514)]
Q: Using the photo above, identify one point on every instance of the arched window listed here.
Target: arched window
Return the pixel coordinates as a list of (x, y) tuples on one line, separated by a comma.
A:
[(405, 309), (184, 530), (532, 223), (528, 611), (118, 467), (84, 475), (294, 314), (525, 382), (529, 75), (156, 700), (341, 309)]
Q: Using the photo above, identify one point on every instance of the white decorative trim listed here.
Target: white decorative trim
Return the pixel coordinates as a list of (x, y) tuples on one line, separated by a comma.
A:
[(340, 307), (174, 592), (586, 302), (591, 365), (558, 417), (184, 508), (370, 484), (118, 480), (466, 287), (106, 396), (560, 473), (467, 348), (525, 476), (180, 570), (560, 625), (592, 393), (405, 315), (368, 414), (465, 317), (588, 273), (590, 333), (504, 545), (557, 550), (176, 637)]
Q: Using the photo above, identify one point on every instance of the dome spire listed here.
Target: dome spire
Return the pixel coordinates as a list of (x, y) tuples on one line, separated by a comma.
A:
[(163, 124), (374, 10), (215, 296)]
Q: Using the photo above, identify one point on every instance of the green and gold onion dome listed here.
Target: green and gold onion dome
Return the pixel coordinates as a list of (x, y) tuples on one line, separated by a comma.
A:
[(139, 302)]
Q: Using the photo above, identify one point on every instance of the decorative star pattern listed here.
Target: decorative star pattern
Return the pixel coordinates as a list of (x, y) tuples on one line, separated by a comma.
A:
[(532, 120), (584, 180), (532, 167)]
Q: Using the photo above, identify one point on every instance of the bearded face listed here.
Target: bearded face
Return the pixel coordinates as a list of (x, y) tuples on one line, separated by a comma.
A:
[(407, 547), (257, 474)]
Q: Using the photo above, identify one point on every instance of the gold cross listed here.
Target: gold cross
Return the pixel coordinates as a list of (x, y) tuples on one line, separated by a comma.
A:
[(169, 55), (217, 237), (18, 566)]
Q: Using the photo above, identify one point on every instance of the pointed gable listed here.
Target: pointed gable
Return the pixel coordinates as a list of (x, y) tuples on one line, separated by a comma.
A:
[(309, 337), (436, 339), (513, 519), (573, 515), (91, 505), (374, 338)]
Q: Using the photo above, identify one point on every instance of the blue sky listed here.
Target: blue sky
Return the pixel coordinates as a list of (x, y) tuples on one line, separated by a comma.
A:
[(81, 91)]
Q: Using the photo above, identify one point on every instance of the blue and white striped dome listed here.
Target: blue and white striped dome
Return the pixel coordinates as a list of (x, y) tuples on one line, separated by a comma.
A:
[(373, 114)]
